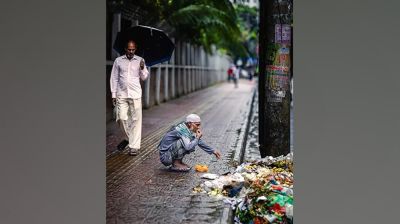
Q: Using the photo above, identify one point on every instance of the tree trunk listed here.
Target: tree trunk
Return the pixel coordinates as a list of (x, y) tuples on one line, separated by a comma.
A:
[(275, 72)]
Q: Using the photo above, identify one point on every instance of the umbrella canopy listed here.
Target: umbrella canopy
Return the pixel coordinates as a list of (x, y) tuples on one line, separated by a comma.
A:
[(152, 44)]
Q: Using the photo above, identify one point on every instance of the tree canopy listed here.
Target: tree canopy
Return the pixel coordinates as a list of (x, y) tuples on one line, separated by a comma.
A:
[(201, 22)]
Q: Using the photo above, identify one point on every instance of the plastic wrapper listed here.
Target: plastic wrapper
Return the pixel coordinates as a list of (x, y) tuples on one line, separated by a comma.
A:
[(209, 176), (201, 168)]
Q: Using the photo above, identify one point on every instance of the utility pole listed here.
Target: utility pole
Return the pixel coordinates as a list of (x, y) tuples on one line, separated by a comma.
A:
[(262, 129), (275, 56)]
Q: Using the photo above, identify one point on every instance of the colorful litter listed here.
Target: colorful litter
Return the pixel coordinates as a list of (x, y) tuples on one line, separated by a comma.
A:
[(259, 192), (201, 168)]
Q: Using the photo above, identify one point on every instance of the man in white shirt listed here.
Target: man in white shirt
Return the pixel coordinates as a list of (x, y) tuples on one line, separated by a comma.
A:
[(126, 94)]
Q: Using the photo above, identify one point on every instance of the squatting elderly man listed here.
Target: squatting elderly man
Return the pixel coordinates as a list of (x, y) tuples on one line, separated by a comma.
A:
[(180, 140)]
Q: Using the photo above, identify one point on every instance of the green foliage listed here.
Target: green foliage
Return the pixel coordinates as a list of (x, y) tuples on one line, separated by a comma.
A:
[(248, 24), (201, 22)]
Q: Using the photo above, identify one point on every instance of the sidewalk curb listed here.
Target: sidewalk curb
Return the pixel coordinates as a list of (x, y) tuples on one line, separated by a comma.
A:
[(228, 214), (241, 145)]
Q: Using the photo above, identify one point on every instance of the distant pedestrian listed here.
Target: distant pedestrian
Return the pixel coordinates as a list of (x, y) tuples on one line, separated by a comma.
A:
[(230, 73), (233, 74), (251, 72), (127, 95), (236, 76), (181, 140)]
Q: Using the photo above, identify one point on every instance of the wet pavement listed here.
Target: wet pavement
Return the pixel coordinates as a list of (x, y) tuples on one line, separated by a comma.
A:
[(141, 190), (252, 151)]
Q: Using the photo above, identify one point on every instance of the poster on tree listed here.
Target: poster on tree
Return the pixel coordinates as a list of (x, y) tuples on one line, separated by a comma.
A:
[(278, 72), (283, 33)]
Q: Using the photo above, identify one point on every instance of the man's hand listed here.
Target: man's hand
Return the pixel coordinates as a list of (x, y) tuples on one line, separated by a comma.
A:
[(142, 64), (199, 133), (217, 154), (114, 101)]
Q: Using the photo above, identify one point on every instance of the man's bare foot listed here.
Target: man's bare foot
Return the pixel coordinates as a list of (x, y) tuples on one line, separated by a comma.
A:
[(179, 164), (182, 163)]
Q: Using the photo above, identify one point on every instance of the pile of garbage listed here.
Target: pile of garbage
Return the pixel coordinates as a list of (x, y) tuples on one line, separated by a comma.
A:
[(260, 191)]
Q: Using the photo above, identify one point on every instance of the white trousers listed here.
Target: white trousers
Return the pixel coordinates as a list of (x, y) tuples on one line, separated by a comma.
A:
[(129, 116)]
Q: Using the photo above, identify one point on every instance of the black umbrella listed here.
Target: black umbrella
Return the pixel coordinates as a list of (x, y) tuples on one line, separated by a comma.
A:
[(152, 44)]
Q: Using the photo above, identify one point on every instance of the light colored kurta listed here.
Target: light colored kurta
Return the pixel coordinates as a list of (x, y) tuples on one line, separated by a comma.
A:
[(125, 77)]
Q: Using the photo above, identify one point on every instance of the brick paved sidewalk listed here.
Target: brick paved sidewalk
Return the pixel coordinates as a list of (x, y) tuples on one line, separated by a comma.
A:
[(141, 190)]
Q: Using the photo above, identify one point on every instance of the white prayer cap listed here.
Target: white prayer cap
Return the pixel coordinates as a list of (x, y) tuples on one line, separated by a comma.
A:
[(193, 118)]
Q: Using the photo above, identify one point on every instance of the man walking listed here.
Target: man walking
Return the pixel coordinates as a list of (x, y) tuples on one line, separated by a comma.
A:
[(126, 94), (233, 72), (180, 140)]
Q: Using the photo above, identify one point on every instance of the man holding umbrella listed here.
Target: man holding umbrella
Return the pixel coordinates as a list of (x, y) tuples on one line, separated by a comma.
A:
[(126, 95)]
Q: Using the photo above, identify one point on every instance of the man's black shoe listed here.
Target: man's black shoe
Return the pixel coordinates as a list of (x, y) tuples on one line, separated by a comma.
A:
[(121, 146)]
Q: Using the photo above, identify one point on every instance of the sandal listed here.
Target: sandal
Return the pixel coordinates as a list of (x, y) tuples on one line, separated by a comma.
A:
[(176, 169), (122, 145)]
